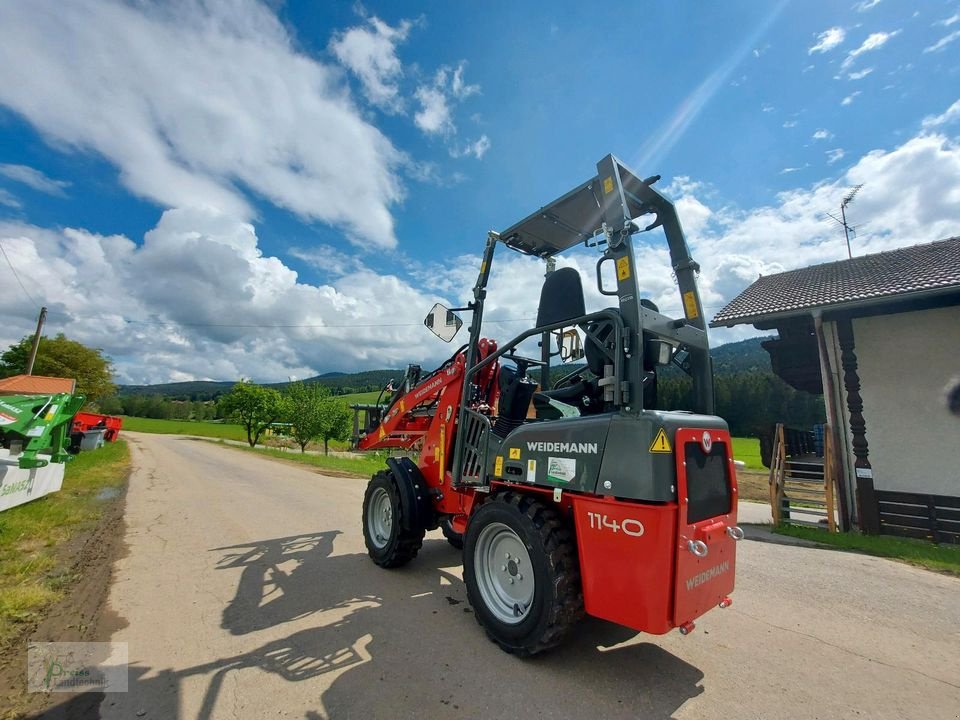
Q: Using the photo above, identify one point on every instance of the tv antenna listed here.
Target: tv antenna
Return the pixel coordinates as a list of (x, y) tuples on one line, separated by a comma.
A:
[(842, 220)]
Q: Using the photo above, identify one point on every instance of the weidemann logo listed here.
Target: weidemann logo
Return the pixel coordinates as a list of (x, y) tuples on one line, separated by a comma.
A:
[(562, 447), (706, 575)]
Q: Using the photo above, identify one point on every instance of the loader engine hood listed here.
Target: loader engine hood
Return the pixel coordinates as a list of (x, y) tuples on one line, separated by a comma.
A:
[(626, 456)]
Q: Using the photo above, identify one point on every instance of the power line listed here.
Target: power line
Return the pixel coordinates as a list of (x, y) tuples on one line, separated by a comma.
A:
[(288, 326), (14, 271)]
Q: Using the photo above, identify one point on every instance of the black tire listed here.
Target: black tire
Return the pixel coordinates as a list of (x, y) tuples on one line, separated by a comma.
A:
[(557, 597), (452, 536), (388, 543)]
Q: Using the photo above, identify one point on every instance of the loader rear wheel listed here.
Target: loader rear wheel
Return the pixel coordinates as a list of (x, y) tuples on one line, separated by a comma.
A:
[(388, 542), (522, 574)]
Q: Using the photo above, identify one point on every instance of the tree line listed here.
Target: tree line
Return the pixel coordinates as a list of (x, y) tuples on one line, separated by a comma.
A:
[(306, 410)]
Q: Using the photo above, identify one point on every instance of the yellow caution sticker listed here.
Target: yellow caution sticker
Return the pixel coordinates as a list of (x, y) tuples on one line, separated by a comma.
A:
[(483, 267), (403, 407), (660, 443), (498, 466), (690, 305), (441, 461), (623, 267), (608, 185), (514, 453), (436, 454), (382, 434)]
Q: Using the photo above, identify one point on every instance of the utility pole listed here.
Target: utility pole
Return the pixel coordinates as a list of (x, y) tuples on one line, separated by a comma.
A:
[(36, 340)]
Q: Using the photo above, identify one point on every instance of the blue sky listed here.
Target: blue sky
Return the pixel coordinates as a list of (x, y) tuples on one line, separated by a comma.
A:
[(227, 188)]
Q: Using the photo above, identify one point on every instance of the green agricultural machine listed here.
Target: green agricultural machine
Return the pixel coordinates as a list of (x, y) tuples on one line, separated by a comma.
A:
[(30, 424)]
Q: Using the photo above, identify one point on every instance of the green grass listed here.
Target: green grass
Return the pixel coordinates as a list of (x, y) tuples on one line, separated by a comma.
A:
[(365, 398), (748, 450), (945, 558), (32, 569), (185, 427), (361, 467)]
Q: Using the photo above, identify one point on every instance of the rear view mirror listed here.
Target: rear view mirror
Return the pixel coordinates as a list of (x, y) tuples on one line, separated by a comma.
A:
[(568, 342), (443, 323)]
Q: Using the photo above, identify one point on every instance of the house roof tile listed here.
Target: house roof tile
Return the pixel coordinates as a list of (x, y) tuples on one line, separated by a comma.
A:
[(919, 269), (36, 385)]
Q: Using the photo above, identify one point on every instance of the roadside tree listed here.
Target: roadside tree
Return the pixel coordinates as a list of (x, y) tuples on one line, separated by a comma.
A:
[(305, 408), (254, 407), (61, 357), (335, 425)]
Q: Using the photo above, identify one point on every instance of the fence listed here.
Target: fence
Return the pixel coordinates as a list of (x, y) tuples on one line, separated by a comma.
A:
[(912, 515)]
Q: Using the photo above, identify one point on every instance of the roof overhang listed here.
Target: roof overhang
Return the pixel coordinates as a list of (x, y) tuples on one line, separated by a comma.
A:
[(852, 307)]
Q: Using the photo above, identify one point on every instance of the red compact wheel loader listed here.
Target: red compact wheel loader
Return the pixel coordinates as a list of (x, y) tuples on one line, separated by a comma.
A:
[(583, 497)]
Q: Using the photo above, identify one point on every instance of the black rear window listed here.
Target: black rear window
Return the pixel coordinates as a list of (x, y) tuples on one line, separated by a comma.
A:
[(708, 481)]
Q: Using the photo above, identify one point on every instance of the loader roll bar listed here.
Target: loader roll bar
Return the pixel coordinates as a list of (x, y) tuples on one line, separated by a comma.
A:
[(604, 211)]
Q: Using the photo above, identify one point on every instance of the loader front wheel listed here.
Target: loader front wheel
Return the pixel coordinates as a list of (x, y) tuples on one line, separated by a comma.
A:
[(522, 574), (389, 543)]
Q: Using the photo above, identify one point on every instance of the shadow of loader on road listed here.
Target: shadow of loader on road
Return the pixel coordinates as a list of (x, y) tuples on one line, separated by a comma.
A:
[(403, 643)]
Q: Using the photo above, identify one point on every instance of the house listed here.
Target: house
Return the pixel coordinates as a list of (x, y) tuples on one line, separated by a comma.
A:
[(879, 337), (36, 385)]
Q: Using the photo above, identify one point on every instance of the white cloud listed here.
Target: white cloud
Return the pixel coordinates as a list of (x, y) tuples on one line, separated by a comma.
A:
[(828, 40), (193, 101), (437, 100), (947, 22), (951, 114), (434, 117), (849, 98), (206, 302), (942, 42), (822, 134), (865, 5), (791, 170), (874, 41), (476, 149), (859, 75), (459, 87), (767, 108), (835, 155), (8, 199), (789, 123), (33, 178), (369, 51)]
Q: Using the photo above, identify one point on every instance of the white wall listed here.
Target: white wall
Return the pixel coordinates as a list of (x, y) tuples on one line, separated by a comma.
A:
[(904, 362)]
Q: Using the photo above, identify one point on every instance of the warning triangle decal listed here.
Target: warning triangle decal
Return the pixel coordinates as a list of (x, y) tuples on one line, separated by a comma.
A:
[(660, 443)]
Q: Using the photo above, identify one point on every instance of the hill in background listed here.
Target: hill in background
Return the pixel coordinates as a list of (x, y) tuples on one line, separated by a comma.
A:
[(729, 359)]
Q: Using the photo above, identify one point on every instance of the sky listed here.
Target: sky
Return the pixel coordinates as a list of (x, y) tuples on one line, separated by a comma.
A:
[(225, 189)]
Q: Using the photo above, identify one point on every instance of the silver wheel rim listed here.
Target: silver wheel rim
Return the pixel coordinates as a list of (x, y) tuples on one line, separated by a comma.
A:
[(380, 518), (504, 573)]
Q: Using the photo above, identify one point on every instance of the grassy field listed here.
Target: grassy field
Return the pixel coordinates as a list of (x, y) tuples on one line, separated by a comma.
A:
[(945, 558), (185, 427), (361, 467), (363, 398), (748, 450), (32, 536)]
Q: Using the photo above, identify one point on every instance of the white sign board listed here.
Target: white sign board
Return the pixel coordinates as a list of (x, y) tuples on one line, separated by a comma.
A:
[(19, 486)]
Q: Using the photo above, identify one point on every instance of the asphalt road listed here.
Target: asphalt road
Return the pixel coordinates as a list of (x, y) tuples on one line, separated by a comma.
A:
[(247, 593)]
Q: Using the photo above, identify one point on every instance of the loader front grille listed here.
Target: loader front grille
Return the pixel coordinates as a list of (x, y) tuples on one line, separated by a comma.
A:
[(708, 481), (476, 431)]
